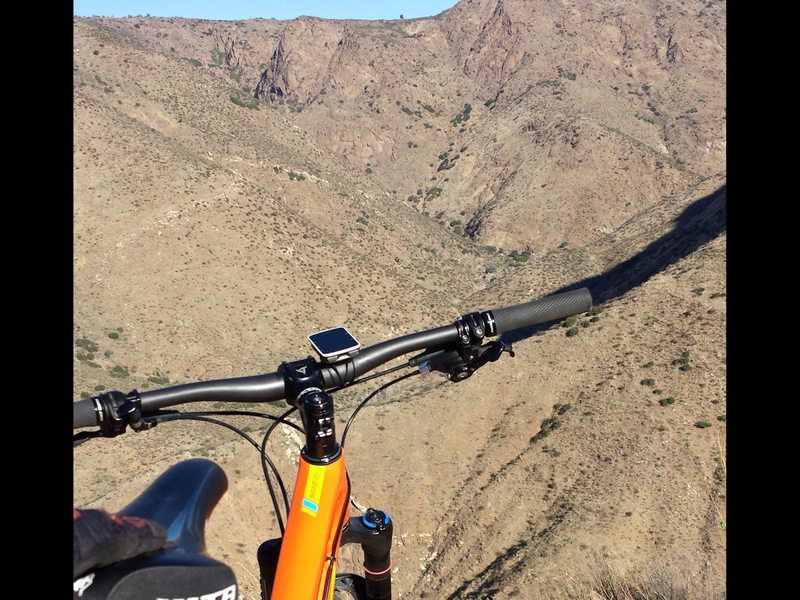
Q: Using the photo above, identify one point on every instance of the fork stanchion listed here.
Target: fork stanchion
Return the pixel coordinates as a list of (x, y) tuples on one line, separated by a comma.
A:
[(373, 531)]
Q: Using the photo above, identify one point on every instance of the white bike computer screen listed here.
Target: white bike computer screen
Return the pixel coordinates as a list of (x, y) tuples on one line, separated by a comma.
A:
[(334, 344)]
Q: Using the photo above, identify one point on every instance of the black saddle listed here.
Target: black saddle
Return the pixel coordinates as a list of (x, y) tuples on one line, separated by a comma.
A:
[(179, 501)]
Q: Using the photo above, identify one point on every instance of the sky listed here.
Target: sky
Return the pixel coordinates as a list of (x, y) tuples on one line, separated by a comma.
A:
[(247, 9)]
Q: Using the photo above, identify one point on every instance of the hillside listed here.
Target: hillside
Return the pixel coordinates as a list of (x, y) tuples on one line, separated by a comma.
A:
[(239, 185)]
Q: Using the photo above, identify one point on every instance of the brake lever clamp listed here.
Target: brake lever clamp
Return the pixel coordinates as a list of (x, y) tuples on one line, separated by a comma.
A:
[(115, 411), (462, 359), (471, 330)]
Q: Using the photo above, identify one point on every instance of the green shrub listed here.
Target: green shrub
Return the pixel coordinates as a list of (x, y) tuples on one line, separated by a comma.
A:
[(667, 401), (649, 382), (569, 322), (216, 58), (520, 257), (648, 365), (248, 102), (85, 395), (564, 409), (119, 372), (683, 362), (722, 418), (157, 379), (596, 310), (702, 424), (99, 387), (113, 335), (87, 345), (572, 331)]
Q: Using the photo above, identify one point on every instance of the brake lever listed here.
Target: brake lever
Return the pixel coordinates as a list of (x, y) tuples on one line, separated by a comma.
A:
[(495, 351), (453, 364), (487, 353)]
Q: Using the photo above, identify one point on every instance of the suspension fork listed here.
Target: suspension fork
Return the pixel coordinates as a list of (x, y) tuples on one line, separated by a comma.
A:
[(373, 531)]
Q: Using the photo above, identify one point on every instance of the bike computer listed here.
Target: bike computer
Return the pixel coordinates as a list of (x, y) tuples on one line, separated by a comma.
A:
[(335, 344)]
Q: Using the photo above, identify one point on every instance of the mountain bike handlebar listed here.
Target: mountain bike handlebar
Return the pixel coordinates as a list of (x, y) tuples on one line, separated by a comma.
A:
[(302, 562), (467, 330)]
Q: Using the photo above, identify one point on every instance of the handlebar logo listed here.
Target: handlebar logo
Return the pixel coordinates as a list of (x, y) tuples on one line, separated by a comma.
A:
[(313, 491), (229, 593)]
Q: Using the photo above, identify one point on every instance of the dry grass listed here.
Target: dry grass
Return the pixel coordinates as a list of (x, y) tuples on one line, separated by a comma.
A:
[(723, 466), (654, 581)]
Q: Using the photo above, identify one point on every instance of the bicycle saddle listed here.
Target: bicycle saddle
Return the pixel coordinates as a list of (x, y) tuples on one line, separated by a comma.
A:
[(180, 500)]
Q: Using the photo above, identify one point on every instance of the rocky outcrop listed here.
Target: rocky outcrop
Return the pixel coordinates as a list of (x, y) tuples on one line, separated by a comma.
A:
[(496, 52), (225, 43), (484, 41), (300, 61)]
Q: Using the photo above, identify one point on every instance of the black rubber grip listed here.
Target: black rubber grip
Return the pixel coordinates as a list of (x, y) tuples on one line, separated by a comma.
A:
[(541, 311), (83, 414)]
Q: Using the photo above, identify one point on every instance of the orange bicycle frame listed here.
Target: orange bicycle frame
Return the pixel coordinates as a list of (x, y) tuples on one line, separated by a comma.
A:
[(310, 548), (302, 564)]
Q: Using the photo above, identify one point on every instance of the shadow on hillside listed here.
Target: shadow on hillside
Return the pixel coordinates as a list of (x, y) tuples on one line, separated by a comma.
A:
[(698, 224)]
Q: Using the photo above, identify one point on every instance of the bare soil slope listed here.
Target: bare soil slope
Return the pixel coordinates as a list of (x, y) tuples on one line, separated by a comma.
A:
[(239, 185)]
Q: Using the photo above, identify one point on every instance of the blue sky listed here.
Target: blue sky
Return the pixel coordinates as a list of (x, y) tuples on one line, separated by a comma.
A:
[(245, 9)]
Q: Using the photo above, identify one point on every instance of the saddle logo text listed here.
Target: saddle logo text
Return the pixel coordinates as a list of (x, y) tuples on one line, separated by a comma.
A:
[(80, 585)]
